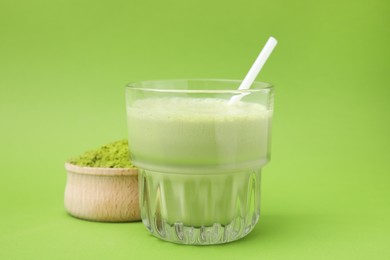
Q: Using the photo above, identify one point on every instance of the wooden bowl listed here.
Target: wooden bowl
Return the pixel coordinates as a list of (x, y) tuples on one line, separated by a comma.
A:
[(102, 194)]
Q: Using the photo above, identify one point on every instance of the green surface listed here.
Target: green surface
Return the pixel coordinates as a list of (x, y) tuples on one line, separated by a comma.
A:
[(63, 65)]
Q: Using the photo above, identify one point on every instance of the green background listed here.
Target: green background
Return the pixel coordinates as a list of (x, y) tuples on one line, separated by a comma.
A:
[(63, 67)]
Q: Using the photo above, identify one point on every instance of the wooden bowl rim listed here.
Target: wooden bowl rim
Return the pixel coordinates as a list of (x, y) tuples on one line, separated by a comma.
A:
[(72, 168)]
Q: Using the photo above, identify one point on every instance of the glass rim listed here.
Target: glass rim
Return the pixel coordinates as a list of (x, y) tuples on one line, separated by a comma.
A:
[(257, 86)]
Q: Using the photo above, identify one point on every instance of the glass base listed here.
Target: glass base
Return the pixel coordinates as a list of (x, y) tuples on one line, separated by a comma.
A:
[(215, 234), (200, 209)]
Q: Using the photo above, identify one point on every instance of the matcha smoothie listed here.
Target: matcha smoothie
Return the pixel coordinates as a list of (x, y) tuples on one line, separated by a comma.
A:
[(200, 160), (193, 135)]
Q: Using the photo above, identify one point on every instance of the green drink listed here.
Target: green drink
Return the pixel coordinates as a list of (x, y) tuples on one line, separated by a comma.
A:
[(200, 159)]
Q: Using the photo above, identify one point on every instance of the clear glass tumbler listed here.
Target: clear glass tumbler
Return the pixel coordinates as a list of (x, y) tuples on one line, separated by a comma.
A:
[(200, 156)]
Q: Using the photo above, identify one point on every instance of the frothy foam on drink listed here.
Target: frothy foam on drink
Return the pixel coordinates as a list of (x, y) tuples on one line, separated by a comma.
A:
[(195, 109)]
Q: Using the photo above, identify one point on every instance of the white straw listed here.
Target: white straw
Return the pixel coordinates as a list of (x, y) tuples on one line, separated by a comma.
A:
[(255, 69)]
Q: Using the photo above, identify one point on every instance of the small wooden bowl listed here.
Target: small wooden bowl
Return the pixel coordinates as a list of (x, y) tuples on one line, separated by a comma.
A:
[(102, 194)]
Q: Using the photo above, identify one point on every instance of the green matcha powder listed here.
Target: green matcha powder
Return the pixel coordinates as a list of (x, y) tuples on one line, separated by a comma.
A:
[(112, 155)]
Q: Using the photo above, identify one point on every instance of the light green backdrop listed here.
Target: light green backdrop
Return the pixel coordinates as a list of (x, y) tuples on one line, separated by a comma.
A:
[(63, 67)]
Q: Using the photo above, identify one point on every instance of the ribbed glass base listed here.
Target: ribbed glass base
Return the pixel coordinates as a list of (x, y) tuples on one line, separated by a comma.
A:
[(200, 209)]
